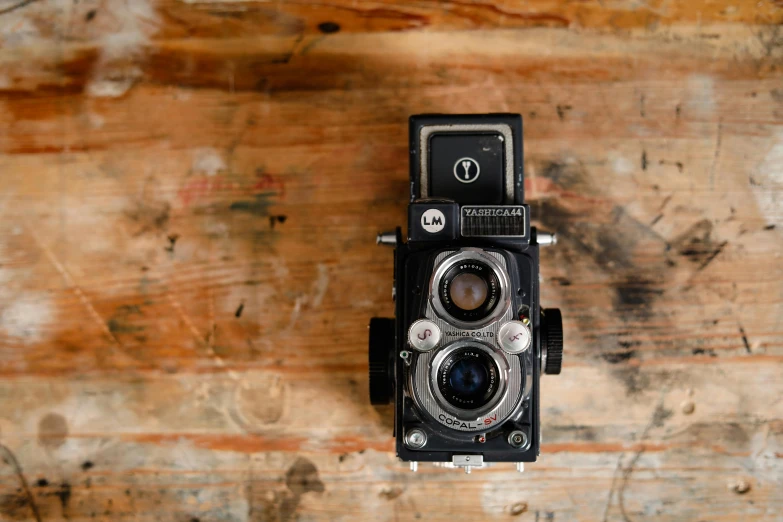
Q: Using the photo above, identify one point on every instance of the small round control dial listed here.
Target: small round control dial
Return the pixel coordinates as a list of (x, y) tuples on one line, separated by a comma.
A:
[(514, 337), (423, 335)]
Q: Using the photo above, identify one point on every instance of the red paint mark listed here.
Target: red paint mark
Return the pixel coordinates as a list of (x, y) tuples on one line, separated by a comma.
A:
[(540, 187), (490, 420), (426, 333), (270, 182), (201, 189)]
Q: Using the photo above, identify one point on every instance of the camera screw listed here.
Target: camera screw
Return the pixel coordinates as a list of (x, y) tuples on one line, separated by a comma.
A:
[(416, 438), (481, 439), (517, 439), (545, 239), (386, 238)]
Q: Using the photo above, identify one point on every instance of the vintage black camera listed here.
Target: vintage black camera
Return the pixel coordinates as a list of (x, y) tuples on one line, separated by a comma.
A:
[(463, 357)]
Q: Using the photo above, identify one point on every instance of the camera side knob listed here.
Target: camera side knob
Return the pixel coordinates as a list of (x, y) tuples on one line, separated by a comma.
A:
[(552, 341), (381, 351)]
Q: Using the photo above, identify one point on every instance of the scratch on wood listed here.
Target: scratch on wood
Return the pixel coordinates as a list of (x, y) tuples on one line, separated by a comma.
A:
[(715, 157), (712, 256), (665, 202), (11, 459), (611, 488), (657, 419), (193, 330), (92, 312), (744, 339), (14, 7)]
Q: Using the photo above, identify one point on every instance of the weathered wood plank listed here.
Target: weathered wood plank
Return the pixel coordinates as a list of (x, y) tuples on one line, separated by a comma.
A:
[(189, 194)]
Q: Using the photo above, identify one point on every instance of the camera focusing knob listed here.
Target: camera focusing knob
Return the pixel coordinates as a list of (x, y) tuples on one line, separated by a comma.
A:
[(381, 353), (552, 341)]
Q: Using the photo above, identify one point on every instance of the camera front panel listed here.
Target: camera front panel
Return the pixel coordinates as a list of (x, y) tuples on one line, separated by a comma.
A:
[(469, 392)]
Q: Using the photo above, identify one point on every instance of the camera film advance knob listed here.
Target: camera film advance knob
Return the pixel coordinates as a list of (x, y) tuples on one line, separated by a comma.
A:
[(552, 340), (381, 350)]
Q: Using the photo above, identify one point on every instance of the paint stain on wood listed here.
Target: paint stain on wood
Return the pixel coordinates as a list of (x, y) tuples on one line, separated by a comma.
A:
[(390, 493), (52, 431), (15, 506)]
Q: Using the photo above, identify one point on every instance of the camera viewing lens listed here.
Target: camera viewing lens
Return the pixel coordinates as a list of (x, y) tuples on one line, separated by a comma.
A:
[(468, 378), (469, 290)]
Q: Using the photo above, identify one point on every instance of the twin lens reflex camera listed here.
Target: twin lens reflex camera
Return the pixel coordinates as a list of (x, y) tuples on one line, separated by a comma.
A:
[(463, 358)]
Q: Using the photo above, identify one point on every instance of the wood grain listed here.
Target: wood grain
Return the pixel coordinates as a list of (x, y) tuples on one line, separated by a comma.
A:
[(189, 195)]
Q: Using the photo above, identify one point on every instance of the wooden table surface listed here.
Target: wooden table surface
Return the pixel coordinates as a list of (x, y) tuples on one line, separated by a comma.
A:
[(189, 196)]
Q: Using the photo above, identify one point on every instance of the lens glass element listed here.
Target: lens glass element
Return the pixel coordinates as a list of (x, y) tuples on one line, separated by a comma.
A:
[(468, 291), (468, 378)]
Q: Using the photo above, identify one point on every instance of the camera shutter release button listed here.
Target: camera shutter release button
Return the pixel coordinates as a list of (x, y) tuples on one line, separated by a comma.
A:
[(514, 337), (423, 335)]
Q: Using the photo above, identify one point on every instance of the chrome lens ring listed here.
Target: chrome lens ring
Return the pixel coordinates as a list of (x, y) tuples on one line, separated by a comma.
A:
[(500, 362), (466, 255)]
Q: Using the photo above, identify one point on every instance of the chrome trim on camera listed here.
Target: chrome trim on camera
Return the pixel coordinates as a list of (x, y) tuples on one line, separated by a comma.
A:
[(451, 332), (443, 264), (424, 148), (429, 398)]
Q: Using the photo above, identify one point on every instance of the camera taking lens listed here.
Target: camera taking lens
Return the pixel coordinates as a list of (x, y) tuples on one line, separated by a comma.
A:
[(468, 379)]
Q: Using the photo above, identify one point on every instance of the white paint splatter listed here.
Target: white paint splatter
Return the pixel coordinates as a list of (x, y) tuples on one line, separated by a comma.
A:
[(620, 164), (314, 299), (295, 312), (117, 70), (701, 100), (320, 285), (17, 33), (207, 161), (767, 186), (26, 318), (96, 120), (279, 268), (764, 449), (493, 499)]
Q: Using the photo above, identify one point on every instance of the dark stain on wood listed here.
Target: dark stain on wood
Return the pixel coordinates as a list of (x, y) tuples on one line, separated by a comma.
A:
[(258, 206), (121, 322), (52, 430), (636, 295), (64, 494), (391, 493), (329, 27), (172, 238), (618, 357), (302, 477), (697, 244), (276, 219), (562, 110), (149, 216), (15, 506)]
